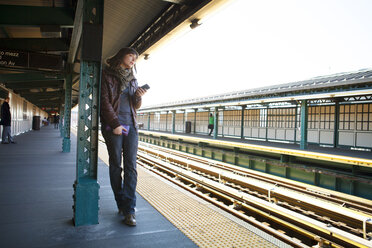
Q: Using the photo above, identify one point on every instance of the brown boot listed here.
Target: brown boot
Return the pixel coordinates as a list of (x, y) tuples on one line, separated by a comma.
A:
[(130, 220)]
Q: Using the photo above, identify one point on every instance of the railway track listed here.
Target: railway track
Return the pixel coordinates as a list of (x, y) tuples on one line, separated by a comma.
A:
[(298, 214), (345, 200)]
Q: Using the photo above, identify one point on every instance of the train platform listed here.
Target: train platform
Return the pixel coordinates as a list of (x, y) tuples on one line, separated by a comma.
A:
[(36, 191)]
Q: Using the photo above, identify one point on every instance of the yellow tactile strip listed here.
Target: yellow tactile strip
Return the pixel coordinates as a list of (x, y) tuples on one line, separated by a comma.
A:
[(203, 225)]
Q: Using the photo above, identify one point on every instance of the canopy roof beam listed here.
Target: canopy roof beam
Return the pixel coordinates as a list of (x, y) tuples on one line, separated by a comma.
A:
[(35, 44), (185, 2), (34, 84), (32, 76), (39, 95), (14, 15), (76, 32), (166, 22)]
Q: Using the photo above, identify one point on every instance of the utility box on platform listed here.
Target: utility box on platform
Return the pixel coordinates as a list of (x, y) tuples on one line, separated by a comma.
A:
[(36, 123)]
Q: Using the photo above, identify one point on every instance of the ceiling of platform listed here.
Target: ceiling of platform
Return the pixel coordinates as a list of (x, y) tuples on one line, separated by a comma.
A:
[(39, 40)]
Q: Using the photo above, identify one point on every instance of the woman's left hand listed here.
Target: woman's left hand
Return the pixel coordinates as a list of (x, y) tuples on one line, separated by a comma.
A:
[(140, 92)]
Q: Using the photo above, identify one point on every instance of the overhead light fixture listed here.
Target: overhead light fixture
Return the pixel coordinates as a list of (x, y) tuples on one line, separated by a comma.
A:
[(195, 23)]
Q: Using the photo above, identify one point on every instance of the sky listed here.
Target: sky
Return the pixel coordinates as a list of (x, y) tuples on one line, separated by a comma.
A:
[(257, 43)]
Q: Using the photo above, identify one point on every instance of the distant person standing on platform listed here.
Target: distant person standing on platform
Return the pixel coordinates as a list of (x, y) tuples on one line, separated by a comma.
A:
[(45, 121), (120, 99), (6, 121), (56, 121), (211, 123)]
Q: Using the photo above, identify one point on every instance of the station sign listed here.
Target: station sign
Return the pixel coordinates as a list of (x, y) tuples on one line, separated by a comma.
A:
[(13, 58), (29, 60)]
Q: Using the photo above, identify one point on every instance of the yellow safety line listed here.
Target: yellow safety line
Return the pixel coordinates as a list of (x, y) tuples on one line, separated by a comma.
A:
[(312, 155)]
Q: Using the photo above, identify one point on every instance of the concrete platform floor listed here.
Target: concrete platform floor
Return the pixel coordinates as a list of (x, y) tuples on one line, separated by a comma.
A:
[(36, 191)]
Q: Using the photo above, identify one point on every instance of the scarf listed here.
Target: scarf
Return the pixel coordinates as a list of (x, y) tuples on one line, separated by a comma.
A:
[(125, 76)]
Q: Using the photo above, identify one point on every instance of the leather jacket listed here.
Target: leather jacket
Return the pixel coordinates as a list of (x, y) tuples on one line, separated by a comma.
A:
[(110, 100)]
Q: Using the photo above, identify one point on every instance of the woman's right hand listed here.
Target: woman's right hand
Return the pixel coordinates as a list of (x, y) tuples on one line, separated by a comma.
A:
[(118, 130)]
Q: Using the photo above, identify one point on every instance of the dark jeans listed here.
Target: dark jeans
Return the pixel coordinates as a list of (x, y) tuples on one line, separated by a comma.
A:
[(211, 127), (6, 135), (124, 188)]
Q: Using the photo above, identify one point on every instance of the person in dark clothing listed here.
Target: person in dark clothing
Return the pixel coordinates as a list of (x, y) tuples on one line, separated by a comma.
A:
[(56, 121), (120, 99), (45, 122), (6, 121)]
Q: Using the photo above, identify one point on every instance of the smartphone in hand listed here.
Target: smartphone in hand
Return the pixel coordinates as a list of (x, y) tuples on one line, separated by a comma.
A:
[(108, 129), (145, 87), (125, 133)]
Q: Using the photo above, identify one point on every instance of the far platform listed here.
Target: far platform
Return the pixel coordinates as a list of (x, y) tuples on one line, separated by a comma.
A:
[(285, 145)]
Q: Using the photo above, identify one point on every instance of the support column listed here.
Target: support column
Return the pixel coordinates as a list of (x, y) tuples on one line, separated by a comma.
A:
[(86, 186), (66, 143), (266, 122), (173, 121), (215, 128), (61, 114), (295, 125), (242, 123), (304, 116), (148, 121), (336, 124)]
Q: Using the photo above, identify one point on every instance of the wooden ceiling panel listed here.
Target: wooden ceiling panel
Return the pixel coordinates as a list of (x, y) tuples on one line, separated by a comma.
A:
[(24, 32)]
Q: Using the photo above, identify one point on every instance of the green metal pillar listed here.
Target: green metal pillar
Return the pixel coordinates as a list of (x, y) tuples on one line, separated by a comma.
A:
[(215, 128), (66, 143), (295, 124), (304, 116), (86, 186), (173, 121), (242, 123), (148, 121), (60, 124), (336, 124)]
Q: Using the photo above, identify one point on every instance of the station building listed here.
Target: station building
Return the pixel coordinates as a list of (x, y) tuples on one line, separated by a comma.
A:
[(333, 111)]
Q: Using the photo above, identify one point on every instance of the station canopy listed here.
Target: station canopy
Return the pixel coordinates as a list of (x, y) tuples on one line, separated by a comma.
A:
[(39, 39)]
